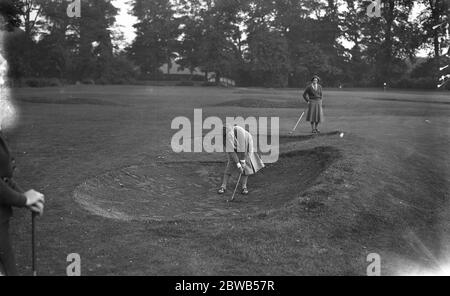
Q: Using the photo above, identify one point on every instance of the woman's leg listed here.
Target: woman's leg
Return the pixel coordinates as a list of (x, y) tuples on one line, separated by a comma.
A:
[(313, 129), (226, 174), (244, 181), (226, 177), (7, 259), (244, 185)]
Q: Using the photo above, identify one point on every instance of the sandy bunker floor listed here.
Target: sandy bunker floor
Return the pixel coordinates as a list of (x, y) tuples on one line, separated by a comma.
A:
[(187, 190)]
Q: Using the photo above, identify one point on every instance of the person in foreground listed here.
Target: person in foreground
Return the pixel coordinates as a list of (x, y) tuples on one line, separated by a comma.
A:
[(12, 196), (238, 144), (313, 96)]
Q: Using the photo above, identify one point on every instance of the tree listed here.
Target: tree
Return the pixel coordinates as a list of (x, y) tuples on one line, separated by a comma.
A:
[(434, 23), (310, 29), (380, 44), (268, 55), (220, 30), (31, 13), (95, 45), (157, 33), (81, 47), (191, 24), (389, 40), (10, 12), (363, 33), (190, 56)]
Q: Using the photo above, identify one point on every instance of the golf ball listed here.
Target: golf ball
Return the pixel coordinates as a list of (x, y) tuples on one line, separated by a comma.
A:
[(341, 135)]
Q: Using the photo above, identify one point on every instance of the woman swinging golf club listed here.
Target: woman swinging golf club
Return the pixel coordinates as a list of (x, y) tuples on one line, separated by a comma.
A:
[(238, 144), (313, 96)]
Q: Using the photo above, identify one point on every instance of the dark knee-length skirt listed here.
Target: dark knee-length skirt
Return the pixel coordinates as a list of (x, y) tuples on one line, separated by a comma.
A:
[(315, 111), (7, 260)]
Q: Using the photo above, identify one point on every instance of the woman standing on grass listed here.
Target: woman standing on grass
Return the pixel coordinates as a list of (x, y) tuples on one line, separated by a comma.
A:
[(313, 96)]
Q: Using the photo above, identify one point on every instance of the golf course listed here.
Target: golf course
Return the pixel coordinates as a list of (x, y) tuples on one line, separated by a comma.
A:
[(375, 180)]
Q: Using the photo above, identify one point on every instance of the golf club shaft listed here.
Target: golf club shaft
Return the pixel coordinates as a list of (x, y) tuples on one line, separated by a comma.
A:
[(33, 242), (237, 184), (298, 121)]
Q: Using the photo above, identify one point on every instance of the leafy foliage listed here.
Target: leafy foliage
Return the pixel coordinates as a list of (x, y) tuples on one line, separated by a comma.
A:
[(157, 32), (255, 42)]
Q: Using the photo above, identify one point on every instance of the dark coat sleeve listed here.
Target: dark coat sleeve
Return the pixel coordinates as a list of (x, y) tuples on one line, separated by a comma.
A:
[(15, 186), (234, 156), (306, 94), (241, 155), (10, 197)]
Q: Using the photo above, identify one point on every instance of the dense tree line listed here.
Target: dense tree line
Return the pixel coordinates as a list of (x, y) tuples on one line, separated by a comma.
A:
[(255, 42), (44, 42)]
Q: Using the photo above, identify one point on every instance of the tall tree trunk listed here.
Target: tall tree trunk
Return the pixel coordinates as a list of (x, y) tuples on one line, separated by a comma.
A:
[(85, 48), (169, 64), (217, 77), (435, 18), (27, 24), (387, 46)]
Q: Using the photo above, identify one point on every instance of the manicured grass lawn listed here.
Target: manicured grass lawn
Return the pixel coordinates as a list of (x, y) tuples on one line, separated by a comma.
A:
[(382, 188)]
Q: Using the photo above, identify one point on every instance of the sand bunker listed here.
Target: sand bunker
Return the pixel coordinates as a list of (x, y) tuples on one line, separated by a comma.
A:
[(187, 190), (305, 137)]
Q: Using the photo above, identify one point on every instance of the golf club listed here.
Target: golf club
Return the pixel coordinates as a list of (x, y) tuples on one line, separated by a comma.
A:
[(33, 243), (235, 188), (298, 121)]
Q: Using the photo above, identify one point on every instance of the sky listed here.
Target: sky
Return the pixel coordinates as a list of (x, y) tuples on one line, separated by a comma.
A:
[(125, 22)]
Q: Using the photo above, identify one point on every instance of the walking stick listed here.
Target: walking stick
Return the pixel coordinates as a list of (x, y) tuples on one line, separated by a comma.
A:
[(33, 242), (235, 188)]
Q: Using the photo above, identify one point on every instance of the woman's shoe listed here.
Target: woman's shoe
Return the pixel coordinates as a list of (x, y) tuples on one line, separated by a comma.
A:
[(244, 191), (221, 190), (317, 131)]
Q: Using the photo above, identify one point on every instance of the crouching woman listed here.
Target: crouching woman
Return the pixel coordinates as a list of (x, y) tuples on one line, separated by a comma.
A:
[(238, 144)]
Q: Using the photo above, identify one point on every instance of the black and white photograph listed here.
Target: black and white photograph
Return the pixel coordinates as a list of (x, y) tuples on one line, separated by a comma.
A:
[(210, 139)]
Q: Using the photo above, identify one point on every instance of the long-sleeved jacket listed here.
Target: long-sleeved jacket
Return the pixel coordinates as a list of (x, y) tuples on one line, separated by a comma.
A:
[(239, 147), (10, 194), (239, 143), (312, 94)]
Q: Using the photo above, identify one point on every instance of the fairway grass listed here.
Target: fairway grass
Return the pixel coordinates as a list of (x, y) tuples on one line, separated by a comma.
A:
[(381, 188)]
